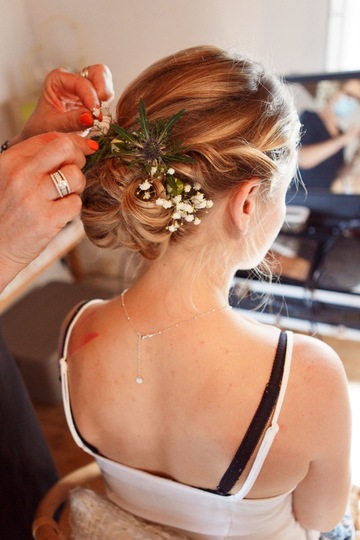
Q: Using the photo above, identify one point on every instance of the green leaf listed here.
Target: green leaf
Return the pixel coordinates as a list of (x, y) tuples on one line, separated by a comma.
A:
[(170, 124), (176, 186), (144, 124)]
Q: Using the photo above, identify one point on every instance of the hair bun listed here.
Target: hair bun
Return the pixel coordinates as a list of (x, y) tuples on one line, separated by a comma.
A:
[(114, 215)]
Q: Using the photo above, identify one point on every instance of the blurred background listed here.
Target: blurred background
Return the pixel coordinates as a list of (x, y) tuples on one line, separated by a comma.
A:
[(291, 37)]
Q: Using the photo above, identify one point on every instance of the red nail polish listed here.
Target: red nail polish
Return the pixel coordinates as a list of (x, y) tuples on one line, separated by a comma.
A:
[(86, 119), (93, 144)]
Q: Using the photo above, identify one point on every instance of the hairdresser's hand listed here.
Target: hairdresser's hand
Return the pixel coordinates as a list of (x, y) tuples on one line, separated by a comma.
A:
[(66, 100), (31, 209)]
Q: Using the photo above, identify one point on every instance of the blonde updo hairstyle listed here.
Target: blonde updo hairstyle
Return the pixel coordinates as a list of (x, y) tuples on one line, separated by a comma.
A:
[(239, 123)]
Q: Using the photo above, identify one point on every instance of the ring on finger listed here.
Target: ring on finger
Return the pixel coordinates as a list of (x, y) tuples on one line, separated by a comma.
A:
[(61, 183), (85, 72)]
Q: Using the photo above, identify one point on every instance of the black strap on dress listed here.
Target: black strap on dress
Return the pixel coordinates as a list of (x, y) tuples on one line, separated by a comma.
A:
[(258, 423)]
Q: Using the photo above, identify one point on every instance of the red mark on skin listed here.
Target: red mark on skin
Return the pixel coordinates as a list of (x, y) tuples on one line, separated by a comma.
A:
[(85, 340), (84, 320), (85, 337)]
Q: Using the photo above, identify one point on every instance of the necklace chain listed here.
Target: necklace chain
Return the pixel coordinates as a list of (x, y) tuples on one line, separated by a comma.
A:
[(142, 337)]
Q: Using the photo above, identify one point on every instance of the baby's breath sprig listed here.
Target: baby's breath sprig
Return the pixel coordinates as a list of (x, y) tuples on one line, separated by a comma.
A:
[(152, 149)]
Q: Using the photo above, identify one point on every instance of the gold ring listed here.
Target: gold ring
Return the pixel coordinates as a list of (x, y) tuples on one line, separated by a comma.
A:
[(85, 72), (61, 183)]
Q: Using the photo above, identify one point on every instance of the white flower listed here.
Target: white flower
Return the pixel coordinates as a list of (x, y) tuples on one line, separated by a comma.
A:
[(146, 195), (145, 185), (164, 203), (167, 204), (185, 207), (153, 171), (199, 201), (174, 227), (170, 171)]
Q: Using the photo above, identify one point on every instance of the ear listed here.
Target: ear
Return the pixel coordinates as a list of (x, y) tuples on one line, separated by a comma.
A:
[(242, 204)]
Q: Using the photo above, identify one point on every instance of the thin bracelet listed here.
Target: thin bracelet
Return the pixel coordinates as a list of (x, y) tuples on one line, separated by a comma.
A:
[(4, 146)]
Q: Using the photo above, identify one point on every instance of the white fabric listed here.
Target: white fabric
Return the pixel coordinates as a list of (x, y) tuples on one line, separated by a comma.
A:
[(197, 513), (94, 517)]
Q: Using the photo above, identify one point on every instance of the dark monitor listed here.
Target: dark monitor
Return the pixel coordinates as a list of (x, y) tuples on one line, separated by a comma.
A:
[(323, 202), (334, 218)]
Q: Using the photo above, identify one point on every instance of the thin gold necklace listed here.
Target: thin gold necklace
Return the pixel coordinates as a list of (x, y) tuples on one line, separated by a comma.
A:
[(142, 337)]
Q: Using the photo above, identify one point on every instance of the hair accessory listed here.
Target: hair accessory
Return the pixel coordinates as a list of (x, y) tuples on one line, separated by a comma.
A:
[(151, 149), (101, 124), (142, 337)]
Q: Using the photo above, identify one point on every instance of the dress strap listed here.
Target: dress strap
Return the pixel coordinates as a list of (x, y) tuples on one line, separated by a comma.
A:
[(64, 380), (73, 319), (258, 423)]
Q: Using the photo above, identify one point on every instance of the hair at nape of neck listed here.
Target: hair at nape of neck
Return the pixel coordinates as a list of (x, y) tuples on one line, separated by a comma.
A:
[(188, 131)]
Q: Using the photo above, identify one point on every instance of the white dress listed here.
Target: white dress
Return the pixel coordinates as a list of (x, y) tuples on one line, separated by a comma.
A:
[(197, 513)]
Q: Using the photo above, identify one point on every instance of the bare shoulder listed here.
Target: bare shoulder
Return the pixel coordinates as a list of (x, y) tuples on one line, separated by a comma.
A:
[(320, 410), (314, 358), (93, 312), (318, 385)]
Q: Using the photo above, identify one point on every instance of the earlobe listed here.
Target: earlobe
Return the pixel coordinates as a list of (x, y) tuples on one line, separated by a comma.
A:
[(243, 203)]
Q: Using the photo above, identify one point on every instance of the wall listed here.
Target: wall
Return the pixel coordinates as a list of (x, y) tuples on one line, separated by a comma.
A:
[(16, 40), (129, 34)]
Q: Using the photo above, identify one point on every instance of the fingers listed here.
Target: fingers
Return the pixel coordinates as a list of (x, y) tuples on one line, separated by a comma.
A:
[(33, 207), (55, 160), (50, 151), (91, 90), (65, 177), (100, 77), (64, 210), (75, 89), (69, 179), (67, 99)]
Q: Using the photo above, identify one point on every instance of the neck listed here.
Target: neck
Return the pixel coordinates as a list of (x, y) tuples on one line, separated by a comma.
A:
[(145, 336), (180, 282)]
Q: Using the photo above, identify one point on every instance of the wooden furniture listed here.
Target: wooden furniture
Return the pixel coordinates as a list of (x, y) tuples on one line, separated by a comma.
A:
[(45, 526), (63, 244)]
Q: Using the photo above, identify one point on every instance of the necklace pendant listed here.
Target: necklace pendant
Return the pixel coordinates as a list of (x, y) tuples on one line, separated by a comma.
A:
[(142, 337)]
